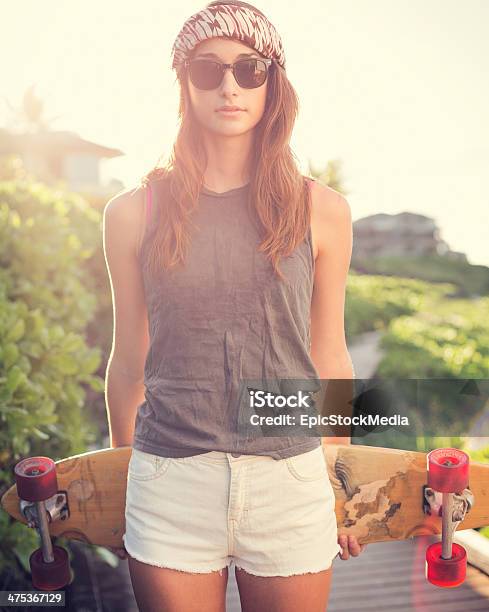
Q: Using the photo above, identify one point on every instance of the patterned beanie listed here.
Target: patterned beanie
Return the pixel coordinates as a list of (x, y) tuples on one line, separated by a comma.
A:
[(233, 19)]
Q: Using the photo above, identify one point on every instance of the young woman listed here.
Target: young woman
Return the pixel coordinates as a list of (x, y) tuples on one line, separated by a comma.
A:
[(213, 260)]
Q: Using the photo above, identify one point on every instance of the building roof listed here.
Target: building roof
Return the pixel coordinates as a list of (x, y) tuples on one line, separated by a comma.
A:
[(54, 141)]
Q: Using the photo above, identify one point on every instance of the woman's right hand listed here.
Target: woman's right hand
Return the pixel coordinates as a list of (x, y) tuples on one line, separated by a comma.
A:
[(350, 546), (120, 552)]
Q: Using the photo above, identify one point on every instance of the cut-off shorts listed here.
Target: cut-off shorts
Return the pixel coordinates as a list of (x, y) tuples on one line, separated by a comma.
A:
[(201, 513)]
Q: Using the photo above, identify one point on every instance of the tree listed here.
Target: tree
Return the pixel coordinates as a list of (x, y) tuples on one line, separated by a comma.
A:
[(330, 175), (30, 116)]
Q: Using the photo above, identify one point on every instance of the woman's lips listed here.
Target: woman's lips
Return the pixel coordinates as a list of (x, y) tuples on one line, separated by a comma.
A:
[(227, 113)]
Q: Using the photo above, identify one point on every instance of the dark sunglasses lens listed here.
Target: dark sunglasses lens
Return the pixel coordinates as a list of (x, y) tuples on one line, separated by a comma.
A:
[(205, 74), (250, 73)]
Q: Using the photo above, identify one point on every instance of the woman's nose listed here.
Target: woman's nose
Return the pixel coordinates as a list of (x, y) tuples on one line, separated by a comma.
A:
[(228, 80)]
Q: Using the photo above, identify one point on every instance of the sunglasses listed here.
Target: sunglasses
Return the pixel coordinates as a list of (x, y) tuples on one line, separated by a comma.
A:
[(208, 74)]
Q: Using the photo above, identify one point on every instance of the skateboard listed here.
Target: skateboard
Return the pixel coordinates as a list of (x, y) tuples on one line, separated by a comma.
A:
[(382, 494)]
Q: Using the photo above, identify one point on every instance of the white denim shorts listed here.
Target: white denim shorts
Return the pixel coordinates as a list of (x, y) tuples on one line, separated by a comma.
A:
[(201, 513)]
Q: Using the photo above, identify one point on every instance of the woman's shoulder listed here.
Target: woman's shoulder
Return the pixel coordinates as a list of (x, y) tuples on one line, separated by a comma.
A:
[(330, 212), (131, 209), (125, 203), (320, 187), (126, 213)]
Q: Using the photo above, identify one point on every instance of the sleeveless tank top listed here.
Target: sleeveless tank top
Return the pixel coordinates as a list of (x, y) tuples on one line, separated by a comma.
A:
[(223, 319)]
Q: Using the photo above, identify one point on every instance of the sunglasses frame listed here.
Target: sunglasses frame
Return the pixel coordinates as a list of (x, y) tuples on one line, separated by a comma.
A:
[(266, 60)]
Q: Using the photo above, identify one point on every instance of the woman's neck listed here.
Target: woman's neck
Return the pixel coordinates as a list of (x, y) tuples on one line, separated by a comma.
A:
[(227, 163)]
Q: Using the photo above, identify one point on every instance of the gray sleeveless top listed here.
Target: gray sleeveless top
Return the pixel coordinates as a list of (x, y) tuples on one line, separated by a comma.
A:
[(223, 319)]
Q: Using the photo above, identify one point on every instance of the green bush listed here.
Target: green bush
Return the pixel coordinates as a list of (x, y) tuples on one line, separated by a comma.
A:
[(47, 237), (373, 301), (466, 279), (451, 341), (448, 345)]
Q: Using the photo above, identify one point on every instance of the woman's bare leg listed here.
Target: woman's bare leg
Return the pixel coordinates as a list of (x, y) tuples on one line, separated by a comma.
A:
[(284, 593), (159, 589)]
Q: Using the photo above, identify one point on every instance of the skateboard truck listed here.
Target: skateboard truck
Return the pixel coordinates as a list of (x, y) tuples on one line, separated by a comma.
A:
[(56, 509), (447, 495), (462, 503), (42, 503)]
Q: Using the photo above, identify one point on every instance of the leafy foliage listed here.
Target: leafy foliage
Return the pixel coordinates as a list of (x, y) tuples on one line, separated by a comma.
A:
[(372, 302), (467, 279), (449, 340), (46, 237)]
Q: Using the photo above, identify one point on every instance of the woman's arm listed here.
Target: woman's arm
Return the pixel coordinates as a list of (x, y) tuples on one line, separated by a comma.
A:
[(328, 343), (329, 353), (123, 222)]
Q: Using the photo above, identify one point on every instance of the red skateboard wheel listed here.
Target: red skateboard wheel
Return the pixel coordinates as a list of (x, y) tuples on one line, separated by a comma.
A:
[(448, 470), (445, 572), (50, 576), (36, 478)]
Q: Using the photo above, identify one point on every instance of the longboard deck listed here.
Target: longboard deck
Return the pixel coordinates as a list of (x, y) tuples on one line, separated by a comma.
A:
[(379, 494)]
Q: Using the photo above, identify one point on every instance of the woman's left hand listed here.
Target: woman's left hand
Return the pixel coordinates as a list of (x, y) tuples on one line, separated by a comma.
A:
[(350, 546)]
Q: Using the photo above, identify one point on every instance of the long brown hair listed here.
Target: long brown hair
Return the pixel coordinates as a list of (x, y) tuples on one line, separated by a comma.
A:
[(278, 192)]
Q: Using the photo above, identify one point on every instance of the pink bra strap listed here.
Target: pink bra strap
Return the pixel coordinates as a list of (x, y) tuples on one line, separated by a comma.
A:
[(149, 204)]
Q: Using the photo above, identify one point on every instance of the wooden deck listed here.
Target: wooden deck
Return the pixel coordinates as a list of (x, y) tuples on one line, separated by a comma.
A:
[(389, 576)]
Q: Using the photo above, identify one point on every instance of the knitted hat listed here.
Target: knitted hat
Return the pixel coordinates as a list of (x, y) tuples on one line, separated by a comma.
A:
[(232, 19)]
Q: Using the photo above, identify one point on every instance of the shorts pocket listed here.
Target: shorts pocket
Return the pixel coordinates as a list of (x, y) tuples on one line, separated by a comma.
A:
[(146, 466), (308, 466)]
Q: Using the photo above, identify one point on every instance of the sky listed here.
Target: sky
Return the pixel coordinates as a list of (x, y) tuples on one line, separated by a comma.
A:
[(396, 90)]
